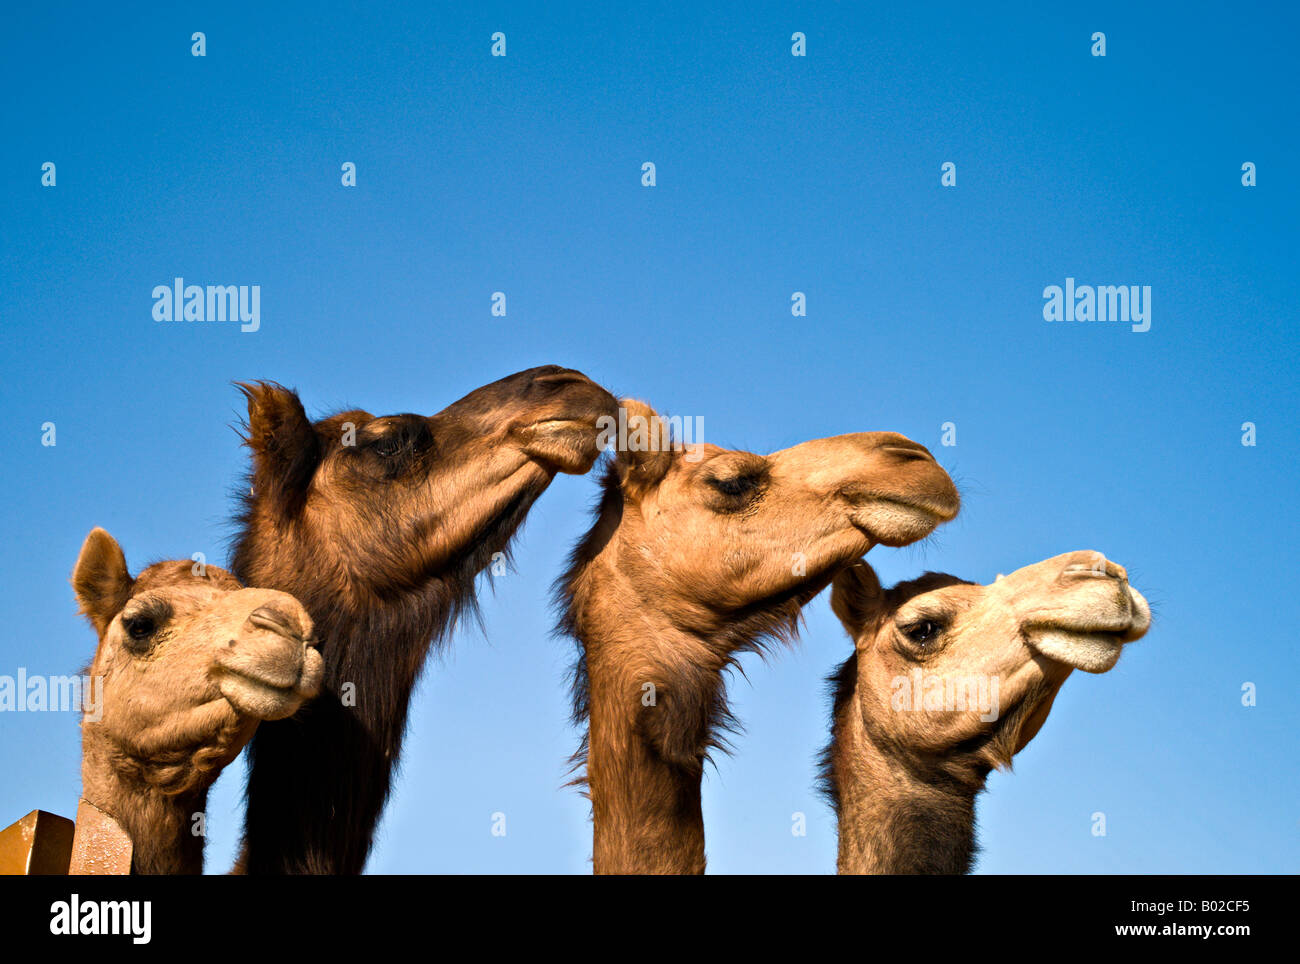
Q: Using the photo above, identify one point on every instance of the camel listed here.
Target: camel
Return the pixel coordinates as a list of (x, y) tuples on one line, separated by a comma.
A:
[(698, 554), (948, 680), (380, 525), (190, 663)]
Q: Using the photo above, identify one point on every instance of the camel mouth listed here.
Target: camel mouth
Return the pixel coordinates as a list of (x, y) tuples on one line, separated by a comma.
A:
[(265, 699), (1089, 650), (896, 522), (563, 443), (1091, 639), (565, 424), (267, 693)]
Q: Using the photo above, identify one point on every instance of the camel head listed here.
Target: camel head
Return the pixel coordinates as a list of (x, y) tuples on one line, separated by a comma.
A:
[(952, 671), (190, 662), (710, 536), (409, 495), (697, 554)]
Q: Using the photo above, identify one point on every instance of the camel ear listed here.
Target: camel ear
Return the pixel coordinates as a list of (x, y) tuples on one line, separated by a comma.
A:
[(101, 580), (286, 448), (644, 457), (857, 597)]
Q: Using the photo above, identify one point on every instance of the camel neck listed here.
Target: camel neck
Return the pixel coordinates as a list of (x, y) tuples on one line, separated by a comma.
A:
[(653, 695), (646, 810), (159, 820), (898, 814)]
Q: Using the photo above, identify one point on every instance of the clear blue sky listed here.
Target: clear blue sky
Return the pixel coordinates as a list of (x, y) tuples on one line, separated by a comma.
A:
[(775, 174)]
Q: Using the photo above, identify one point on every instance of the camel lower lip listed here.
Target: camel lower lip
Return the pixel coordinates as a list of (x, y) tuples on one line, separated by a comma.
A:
[(1088, 650), (929, 512), (918, 517), (913, 507)]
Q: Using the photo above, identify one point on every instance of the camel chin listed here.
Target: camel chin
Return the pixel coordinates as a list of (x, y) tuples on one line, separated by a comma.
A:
[(1090, 652)]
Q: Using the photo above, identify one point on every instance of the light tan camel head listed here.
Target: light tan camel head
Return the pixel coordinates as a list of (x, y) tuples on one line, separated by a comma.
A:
[(961, 675), (190, 662), (710, 536)]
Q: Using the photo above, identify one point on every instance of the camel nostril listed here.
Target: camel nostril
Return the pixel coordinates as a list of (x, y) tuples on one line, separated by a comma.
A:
[(907, 453), (275, 620), (565, 376), (1085, 571)]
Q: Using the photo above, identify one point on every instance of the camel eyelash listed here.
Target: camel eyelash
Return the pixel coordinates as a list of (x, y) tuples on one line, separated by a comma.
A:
[(391, 444), (736, 486)]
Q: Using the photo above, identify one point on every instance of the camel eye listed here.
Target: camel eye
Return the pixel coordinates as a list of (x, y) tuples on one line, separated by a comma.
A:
[(922, 632), (403, 438), (390, 445), (139, 629), (735, 486)]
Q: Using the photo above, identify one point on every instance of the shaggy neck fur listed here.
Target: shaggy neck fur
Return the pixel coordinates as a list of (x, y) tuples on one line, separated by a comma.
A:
[(646, 746), (653, 697), (319, 780)]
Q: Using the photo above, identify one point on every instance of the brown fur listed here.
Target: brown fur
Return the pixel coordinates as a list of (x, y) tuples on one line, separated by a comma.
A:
[(903, 775), (692, 561), (382, 541), (188, 662)]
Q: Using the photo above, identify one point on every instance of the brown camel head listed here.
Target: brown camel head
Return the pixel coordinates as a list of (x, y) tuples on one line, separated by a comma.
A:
[(709, 539), (699, 553), (964, 675), (380, 526), (190, 662), (391, 500)]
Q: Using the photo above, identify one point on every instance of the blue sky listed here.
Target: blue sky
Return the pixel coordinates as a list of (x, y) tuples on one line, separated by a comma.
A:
[(775, 174)]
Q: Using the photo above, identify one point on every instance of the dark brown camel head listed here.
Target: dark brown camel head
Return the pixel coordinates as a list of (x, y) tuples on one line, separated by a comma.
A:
[(380, 526), (390, 500)]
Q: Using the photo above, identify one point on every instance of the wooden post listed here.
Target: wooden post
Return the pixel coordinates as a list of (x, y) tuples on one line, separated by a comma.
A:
[(100, 846), (39, 843)]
